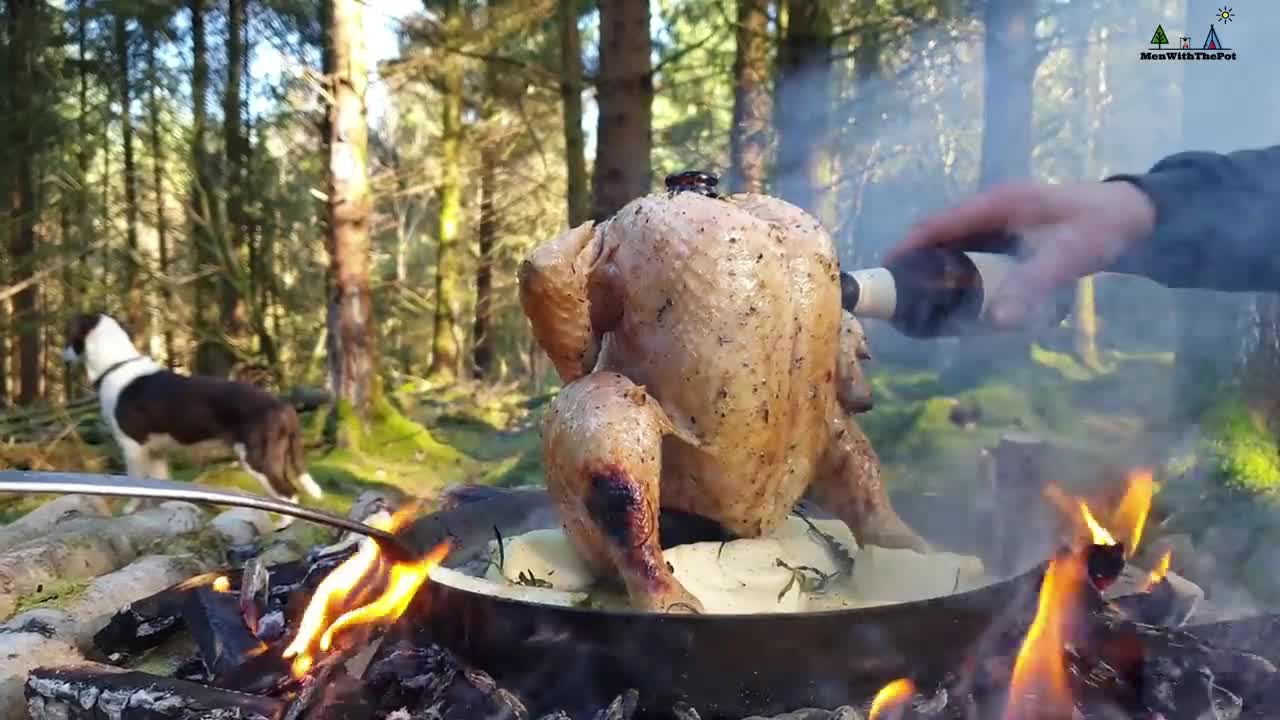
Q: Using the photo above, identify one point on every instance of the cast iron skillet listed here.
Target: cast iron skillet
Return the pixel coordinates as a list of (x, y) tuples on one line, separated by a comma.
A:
[(725, 666)]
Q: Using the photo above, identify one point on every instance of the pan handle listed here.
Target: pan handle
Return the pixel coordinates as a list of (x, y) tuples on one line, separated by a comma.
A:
[(25, 481)]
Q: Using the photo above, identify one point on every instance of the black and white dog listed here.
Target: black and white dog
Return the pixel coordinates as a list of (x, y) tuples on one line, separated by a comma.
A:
[(152, 410)]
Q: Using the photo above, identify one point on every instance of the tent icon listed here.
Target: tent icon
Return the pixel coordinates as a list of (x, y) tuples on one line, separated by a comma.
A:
[(1211, 41)]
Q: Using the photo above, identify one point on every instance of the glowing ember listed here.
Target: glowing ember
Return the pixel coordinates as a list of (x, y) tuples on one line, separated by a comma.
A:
[(891, 697), (340, 593), (221, 584), (1039, 684), (1160, 571)]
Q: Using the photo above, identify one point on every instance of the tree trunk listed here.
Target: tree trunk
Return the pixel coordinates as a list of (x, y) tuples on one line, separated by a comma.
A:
[(803, 104), (1097, 98), (23, 28), (210, 357), (1010, 61), (350, 317), (84, 225), (624, 97), (482, 350), (444, 344), (136, 306), (231, 308), (749, 136), (575, 143), (157, 168), (869, 91)]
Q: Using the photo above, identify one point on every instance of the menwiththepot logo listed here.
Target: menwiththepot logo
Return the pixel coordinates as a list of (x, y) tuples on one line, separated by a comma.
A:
[(1211, 49)]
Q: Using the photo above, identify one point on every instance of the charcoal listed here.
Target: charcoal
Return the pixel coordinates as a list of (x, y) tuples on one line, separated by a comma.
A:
[(622, 707), (262, 673), (255, 581), (1192, 695), (1105, 564), (93, 691), (1165, 604), (1259, 635), (430, 678), (142, 625), (682, 710), (214, 620), (271, 626)]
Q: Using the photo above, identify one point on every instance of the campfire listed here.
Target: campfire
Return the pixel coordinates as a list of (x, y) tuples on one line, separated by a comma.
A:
[(348, 632)]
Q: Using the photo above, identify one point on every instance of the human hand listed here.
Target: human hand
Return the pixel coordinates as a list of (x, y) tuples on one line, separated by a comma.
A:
[(1069, 231)]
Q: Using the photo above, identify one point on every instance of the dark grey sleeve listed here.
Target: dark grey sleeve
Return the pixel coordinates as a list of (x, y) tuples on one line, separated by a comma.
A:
[(1217, 221)]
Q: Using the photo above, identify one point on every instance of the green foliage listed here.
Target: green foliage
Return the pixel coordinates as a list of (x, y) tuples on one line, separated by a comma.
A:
[(1238, 450)]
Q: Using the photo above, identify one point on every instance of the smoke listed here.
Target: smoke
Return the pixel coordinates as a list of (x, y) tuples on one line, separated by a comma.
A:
[(908, 141)]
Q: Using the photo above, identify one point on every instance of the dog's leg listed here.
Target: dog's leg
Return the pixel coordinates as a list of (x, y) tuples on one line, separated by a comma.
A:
[(138, 463), (160, 467), (241, 452)]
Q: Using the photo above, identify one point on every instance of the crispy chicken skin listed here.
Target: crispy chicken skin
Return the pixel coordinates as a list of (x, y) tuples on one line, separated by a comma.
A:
[(708, 368)]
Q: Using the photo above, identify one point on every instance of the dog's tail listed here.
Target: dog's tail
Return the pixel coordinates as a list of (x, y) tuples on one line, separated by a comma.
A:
[(296, 459)]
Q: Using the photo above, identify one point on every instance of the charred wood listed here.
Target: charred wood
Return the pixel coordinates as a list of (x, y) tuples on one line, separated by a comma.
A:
[(216, 622), (434, 680), (92, 691)]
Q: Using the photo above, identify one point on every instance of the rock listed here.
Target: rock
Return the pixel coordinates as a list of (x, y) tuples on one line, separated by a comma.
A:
[(242, 526), (88, 547), (293, 542), (44, 518), (370, 502), (61, 635)]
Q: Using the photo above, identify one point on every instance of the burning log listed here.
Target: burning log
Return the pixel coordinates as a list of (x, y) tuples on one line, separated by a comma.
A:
[(91, 691), (142, 625), (215, 620)]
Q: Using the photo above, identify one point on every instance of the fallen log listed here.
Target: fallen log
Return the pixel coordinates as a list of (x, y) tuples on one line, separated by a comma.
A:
[(90, 691), (88, 547), (46, 517), (60, 635)]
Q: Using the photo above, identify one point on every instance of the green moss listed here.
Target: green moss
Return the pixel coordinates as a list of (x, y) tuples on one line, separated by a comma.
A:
[(1239, 450), (1067, 365), (57, 594)]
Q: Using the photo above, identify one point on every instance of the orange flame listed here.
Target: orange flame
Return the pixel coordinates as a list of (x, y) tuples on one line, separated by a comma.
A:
[(1160, 571), (1099, 533), (1131, 513), (348, 583), (1128, 520), (1039, 684), (891, 697), (221, 584)]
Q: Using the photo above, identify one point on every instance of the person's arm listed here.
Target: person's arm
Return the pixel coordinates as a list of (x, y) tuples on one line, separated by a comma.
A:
[(1217, 221)]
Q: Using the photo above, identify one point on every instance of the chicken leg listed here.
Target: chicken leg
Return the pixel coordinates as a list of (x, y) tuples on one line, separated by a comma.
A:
[(602, 443)]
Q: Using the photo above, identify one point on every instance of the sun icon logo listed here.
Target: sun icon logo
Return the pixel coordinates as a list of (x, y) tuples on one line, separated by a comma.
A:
[(1225, 14)]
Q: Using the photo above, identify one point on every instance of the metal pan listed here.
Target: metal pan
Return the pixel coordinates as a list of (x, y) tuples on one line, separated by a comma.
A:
[(725, 666)]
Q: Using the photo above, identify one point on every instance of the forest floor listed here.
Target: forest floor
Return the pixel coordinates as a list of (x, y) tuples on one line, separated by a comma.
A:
[(489, 434), (1116, 415)]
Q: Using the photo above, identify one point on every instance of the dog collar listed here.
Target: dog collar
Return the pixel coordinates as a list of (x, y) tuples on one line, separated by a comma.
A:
[(113, 368)]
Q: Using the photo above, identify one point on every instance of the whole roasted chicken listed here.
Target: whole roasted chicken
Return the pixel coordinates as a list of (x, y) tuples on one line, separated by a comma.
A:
[(708, 368)]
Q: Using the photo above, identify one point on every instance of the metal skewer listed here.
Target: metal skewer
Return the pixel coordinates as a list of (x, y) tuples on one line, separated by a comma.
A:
[(24, 481)]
